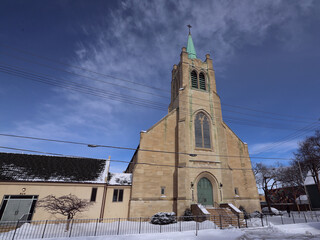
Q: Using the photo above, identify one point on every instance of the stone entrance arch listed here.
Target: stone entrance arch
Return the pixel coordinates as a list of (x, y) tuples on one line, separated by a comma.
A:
[(206, 189)]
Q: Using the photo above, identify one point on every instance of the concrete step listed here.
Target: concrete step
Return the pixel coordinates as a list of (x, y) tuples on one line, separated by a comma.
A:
[(224, 217)]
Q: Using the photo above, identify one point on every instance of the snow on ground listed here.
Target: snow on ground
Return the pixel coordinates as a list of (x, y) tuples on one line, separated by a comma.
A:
[(216, 234), (288, 231), (275, 227)]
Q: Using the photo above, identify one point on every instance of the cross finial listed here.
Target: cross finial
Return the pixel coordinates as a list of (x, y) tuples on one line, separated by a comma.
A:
[(189, 26)]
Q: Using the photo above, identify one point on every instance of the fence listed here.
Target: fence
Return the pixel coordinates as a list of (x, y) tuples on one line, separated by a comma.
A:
[(121, 226), (285, 218)]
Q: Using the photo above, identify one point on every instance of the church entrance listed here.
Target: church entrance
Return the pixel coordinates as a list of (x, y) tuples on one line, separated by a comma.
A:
[(204, 190)]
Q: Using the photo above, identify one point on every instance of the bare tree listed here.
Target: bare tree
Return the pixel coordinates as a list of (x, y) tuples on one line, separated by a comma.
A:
[(308, 154), (67, 205), (291, 177), (266, 178)]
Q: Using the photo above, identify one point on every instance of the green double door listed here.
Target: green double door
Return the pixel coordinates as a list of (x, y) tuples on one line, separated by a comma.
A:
[(204, 190)]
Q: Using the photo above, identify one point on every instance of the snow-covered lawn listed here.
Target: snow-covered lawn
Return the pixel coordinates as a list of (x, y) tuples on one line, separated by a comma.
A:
[(115, 229), (31, 231), (274, 232)]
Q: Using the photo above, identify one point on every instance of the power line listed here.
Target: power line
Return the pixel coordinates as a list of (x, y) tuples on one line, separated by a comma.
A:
[(121, 161), (94, 91), (83, 89), (136, 149), (59, 69), (255, 110), (102, 94), (84, 69), (291, 136), (262, 125), (34, 151)]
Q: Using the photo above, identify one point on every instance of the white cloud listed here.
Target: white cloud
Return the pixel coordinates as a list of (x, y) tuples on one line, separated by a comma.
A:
[(274, 147)]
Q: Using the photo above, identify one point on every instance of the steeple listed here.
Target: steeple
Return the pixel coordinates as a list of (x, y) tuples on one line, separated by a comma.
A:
[(190, 47)]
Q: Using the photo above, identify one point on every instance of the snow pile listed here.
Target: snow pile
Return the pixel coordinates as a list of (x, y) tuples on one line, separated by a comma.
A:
[(273, 210), (286, 231), (307, 229), (234, 207), (120, 179), (203, 209), (162, 218)]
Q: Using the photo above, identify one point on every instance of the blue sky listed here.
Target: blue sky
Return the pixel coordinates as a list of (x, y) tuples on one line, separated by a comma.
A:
[(266, 57)]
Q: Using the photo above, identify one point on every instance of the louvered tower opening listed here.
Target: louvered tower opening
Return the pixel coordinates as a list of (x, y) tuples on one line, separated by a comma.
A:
[(202, 81), (194, 79)]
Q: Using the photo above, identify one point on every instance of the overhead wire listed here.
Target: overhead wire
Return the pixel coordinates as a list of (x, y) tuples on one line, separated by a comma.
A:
[(9, 69), (106, 75), (137, 149), (136, 101), (85, 69), (121, 161), (82, 88), (281, 141), (164, 109)]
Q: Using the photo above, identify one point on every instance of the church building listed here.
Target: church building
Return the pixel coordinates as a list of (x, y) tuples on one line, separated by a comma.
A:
[(189, 157), (195, 157)]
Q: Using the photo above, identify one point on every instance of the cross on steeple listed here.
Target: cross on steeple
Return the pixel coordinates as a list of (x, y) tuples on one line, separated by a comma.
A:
[(189, 26)]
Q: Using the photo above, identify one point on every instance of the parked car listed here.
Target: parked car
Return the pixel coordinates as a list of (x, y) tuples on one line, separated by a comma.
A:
[(274, 211)]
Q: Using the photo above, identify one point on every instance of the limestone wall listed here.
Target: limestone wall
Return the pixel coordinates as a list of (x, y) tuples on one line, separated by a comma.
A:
[(148, 179)]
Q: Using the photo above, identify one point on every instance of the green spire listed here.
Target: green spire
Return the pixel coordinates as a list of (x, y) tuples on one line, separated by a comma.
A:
[(190, 47)]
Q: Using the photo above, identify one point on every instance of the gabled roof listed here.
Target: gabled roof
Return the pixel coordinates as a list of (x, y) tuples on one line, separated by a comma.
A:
[(27, 167)]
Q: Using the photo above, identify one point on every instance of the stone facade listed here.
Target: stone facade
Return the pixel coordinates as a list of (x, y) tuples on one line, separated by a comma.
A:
[(168, 181)]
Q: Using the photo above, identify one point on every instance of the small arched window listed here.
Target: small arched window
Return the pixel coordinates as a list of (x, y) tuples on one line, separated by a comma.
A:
[(202, 131), (194, 79), (202, 81)]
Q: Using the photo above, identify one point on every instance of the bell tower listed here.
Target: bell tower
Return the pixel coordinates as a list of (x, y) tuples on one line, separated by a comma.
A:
[(191, 77), (194, 97)]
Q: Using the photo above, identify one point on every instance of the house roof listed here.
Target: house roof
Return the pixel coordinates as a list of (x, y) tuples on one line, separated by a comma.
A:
[(120, 179), (309, 179), (27, 167)]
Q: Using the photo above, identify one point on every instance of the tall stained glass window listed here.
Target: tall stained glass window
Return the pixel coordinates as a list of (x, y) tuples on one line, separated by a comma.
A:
[(202, 131)]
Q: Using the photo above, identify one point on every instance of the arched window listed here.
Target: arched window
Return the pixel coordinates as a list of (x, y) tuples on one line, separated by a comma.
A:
[(202, 131), (194, 79), (202, 81)]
